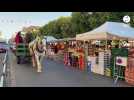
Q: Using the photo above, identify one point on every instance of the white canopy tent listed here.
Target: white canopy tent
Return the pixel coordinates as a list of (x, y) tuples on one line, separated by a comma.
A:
[(109, 31), (50, 38)]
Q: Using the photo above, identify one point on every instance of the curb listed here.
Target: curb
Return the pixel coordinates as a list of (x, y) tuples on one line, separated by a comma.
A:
[(12, 70)]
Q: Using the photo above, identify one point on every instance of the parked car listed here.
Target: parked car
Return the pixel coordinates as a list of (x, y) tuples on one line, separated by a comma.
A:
[(3, 47)]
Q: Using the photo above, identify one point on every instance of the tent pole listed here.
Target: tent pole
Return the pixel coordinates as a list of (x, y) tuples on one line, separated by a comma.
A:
[(106, 45), (132, 43), (85, 53), (120, 43)]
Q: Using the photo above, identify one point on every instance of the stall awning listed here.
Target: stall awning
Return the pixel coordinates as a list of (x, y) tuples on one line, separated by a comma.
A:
[(50, 38), (109, 31), (66, 39)]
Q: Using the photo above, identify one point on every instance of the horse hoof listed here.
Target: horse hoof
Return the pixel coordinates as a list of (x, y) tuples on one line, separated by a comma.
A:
[(39, 71)]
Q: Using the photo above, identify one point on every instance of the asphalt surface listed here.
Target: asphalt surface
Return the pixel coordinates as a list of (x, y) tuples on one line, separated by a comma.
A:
[(6, 82), (55, 74), (1, 60)]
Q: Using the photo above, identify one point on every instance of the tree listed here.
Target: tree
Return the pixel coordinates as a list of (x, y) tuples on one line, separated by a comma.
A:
[(81, 22), (59, 28), (64, 24)]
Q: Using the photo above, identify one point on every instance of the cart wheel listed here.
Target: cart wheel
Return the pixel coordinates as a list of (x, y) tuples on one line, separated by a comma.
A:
[(18, 60)]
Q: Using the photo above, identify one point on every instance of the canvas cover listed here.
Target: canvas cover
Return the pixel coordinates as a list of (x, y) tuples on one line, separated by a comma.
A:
[(109, 31)]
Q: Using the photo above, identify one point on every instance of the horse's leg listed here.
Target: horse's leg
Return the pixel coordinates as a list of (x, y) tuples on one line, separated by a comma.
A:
[(33, 57), (33, 61), (38, 62), (41, 60)]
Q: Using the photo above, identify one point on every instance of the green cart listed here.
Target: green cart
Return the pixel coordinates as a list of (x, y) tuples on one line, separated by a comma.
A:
[(22, 53)]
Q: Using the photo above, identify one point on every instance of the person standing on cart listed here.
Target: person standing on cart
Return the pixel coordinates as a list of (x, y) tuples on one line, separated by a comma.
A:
[(18, 38)]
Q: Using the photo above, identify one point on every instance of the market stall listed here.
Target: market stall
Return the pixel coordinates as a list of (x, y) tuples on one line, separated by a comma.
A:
[(70, 52), (100, 55), (61, 46), (49, 41), (74, 55)]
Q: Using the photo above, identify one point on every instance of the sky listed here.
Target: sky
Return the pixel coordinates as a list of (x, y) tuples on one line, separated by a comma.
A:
[(11, 22)]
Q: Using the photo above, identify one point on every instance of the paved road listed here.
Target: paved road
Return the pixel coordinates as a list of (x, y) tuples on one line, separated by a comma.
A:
[(56, 74), (7, 78), (1, 59)]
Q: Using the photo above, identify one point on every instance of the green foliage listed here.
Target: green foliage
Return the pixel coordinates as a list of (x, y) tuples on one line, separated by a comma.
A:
[(81, 22)]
